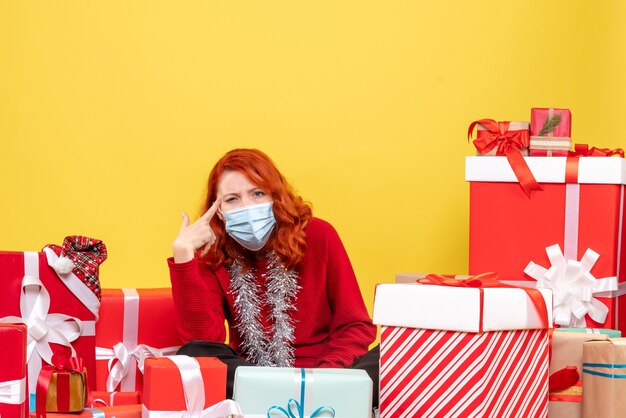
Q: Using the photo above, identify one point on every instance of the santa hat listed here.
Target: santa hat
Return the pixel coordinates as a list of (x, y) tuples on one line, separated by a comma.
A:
[(81, 256)]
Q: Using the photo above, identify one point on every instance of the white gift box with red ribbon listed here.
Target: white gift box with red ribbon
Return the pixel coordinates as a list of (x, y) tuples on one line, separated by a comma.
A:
[(462, 351)]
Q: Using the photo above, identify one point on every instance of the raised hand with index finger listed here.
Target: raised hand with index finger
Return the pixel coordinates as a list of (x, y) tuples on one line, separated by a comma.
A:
[(195, 236)]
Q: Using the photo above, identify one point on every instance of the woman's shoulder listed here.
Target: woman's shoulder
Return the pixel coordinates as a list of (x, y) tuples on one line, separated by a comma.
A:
[(317, 224), (319, 229)]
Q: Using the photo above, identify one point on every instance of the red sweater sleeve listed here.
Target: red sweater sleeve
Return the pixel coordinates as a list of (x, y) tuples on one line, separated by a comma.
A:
[(198, 302), (351, 330)]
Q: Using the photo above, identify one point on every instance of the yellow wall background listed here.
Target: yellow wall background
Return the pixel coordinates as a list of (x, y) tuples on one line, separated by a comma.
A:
[(112, 114)]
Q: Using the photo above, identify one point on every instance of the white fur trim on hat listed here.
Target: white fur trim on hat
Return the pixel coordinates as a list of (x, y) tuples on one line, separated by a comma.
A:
[(63, 265)]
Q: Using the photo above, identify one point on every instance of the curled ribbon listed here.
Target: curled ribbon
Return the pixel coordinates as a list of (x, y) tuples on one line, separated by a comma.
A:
[(105, 399), (583, 150), (573, 287), (43, 328), (193, 389), (13, 391), (299, 406), (508, 143), (489, 280)]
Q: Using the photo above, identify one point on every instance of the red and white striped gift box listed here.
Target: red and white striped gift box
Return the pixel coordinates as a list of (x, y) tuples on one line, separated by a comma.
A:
[(461, 352)]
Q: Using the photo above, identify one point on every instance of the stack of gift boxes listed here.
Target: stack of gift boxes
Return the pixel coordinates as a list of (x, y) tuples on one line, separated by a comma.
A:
[(533, 330), (69, 349), (544, 217)]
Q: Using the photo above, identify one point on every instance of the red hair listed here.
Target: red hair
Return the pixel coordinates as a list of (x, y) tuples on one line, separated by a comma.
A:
[(292, 213)]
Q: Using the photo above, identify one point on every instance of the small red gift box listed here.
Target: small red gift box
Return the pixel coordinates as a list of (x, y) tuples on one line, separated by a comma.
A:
[(496, 138), (134, 324), (120, 411), (170, 381), (99, 398), (57, 305), (13, 371), (62, 387), (574, 228), (550, 132)]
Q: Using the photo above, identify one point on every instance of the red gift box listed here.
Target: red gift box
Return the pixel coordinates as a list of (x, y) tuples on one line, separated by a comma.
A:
[(13, 391), (120, 411), (59, 309), (134, 324), (573, 228), (98, 398), (172, 384), (550, 132), (462, 351)]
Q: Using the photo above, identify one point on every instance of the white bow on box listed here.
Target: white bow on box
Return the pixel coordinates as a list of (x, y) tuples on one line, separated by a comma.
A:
[(122, 362), (573, 287), (127, 356)]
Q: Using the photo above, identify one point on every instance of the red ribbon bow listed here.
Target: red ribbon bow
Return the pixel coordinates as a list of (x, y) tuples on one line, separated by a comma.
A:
[(562, 379), (508, 143), (489, 280), (63, 365), (583, 150)]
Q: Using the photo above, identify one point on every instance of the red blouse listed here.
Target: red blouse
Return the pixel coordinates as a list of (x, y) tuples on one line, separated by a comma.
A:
[(332, 325)]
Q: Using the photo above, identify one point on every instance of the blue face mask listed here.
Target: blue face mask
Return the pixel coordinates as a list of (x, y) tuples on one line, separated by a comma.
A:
[(251, 226)]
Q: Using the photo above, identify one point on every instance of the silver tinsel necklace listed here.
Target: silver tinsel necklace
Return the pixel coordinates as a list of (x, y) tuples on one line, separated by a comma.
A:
[(272, 348)]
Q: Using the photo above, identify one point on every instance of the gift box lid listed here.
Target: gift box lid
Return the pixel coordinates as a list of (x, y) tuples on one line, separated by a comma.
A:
[(612, 333), (457, 308), (591, 170)]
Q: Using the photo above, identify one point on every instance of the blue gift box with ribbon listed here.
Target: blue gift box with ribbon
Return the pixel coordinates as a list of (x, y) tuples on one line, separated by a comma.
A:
[(282, 392)]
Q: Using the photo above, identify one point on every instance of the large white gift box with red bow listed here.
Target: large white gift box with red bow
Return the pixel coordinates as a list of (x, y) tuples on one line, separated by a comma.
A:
[(566, 237), (462, 351)]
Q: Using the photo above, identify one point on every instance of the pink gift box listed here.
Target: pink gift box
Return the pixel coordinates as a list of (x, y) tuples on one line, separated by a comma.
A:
[(550, 141)]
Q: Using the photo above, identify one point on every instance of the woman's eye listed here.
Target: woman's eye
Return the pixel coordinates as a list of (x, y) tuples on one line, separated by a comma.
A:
[(259, 193), (230, 199)]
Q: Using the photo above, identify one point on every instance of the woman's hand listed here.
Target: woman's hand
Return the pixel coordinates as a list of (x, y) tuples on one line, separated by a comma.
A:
[(195, 236)]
